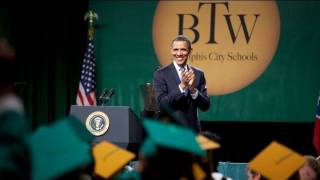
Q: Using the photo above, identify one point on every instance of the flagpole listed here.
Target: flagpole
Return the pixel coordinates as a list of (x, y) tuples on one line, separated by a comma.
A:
[(91, 17)]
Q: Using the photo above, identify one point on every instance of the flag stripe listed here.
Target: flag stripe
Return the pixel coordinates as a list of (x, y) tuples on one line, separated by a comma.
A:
[(79, 98), (81, 94), (93, 98), (316, 133), (90, 100), (316, 136)]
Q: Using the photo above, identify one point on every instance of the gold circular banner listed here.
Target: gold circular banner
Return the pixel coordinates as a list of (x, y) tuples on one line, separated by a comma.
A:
[(233, 41)]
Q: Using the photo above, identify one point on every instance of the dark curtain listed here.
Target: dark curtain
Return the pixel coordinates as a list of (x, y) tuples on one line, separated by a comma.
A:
[(50, 39)]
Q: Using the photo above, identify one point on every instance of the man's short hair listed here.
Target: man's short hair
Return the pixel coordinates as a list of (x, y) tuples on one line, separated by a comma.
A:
[(182, 38)]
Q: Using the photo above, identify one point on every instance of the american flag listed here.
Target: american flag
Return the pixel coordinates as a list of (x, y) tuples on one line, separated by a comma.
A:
[(86, 95), (316, 135)]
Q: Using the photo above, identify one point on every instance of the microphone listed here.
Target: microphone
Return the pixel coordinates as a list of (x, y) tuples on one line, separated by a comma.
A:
[(103, 93), (109, 94), (106, 95), (19, 87), (20, 83)]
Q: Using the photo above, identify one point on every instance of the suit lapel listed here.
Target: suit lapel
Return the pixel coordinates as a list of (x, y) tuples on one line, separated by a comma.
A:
[(173, 73)]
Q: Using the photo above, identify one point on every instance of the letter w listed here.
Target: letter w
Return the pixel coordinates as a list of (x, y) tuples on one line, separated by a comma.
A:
[(243, 25)]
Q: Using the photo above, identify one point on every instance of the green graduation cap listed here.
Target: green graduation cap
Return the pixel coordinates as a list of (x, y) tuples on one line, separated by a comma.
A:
[(57, 149), (13, 148), (170, 136), (80, 129), (132, 175)]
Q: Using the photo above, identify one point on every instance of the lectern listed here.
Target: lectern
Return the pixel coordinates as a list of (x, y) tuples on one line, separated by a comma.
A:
[(116, 124)]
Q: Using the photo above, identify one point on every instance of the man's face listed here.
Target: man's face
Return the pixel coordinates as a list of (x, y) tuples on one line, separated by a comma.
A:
[(180, 52)]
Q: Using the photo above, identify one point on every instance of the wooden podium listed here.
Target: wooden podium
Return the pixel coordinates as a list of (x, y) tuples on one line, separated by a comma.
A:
[(124, 128)]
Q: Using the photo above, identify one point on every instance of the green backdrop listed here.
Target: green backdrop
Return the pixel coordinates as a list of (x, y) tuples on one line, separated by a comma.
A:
[(286, 92)]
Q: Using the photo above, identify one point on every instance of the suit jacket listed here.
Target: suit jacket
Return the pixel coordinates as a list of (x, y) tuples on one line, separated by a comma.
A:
[(170, 99)]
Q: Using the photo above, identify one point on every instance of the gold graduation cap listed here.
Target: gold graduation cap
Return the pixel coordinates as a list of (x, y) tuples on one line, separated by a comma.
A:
[(198, 172), (277, 162), (109, 159), (206, 143)]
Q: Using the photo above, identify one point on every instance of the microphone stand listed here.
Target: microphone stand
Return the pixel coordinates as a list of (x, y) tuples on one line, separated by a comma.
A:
[(106, 96)]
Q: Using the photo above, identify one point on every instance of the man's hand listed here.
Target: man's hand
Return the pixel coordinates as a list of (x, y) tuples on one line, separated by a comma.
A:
[(188, 80)]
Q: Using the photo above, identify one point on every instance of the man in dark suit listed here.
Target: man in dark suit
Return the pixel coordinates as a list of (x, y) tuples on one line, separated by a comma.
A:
[(180, 88)]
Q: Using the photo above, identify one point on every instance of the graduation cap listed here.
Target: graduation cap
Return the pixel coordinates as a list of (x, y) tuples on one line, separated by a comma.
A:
[(14, 159), (169, 136), (198, 172), (110, 159), (57, 150), (80, 129), (206, 143), (132, 175), (277, 161)]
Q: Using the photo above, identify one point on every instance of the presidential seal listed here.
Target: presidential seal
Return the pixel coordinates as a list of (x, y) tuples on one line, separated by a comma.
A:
[(97, 123)]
